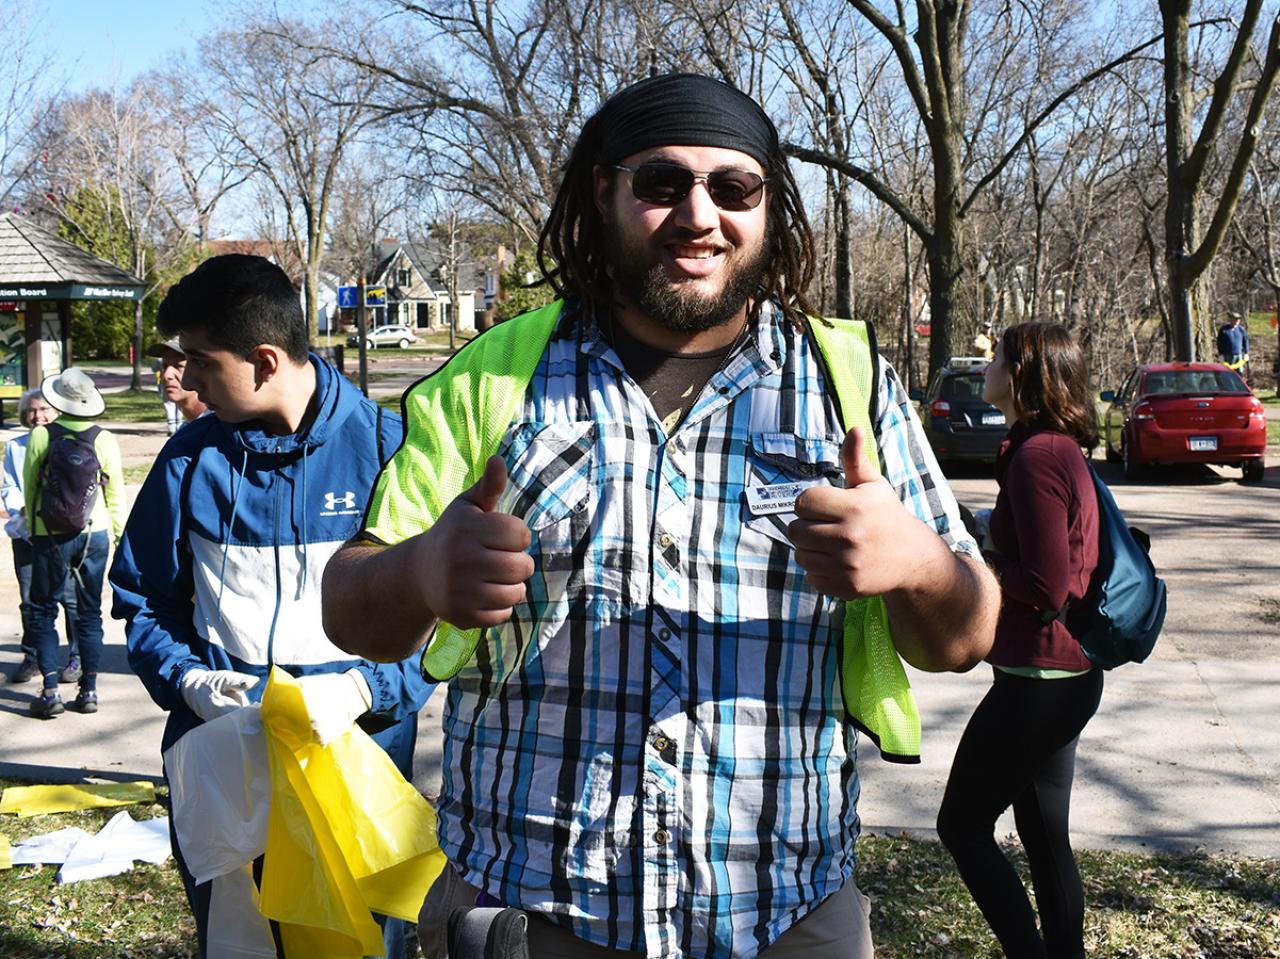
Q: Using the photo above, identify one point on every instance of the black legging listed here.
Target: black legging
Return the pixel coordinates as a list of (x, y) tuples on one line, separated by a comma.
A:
[(1019, 749)]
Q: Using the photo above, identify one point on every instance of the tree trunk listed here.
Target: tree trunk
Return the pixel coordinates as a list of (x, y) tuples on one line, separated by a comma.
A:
[(945, 269), (844, 252), (946, 251), (135, 382), (310, 298), (1181, 315), (139, 270)]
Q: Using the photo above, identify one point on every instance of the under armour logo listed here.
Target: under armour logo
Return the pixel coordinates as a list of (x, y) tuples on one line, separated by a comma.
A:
[(347, 500)]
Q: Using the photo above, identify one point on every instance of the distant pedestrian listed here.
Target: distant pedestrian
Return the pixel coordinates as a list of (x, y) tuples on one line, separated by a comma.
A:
[(1233, 343), (76, 547), (982, 343), (180, 405), (1020, 745), (33, 411)]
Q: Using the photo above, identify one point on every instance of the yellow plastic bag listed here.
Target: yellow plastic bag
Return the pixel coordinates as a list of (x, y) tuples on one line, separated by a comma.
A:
[(6, 853), (347, 835), (38, 800)]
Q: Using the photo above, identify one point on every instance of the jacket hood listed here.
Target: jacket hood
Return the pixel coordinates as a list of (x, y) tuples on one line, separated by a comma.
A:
[(335, 399)]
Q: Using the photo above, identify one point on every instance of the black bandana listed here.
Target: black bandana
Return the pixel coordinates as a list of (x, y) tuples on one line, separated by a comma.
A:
[(684, 109)]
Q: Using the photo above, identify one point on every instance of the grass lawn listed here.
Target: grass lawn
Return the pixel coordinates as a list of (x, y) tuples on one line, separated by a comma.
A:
[(139, 913), (133, 406), (1209, 907), (1137, 907)]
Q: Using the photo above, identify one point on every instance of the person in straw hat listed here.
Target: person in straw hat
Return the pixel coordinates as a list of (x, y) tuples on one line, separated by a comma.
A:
[(81, 554)]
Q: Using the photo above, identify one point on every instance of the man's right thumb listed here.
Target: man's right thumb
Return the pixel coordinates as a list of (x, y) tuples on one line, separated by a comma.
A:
[(489, 487)]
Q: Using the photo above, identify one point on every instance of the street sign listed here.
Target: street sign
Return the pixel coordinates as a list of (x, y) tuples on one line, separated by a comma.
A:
[(375, 296), (347, 297)]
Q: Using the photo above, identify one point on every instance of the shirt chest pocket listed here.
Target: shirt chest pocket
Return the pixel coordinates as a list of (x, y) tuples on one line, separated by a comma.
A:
[(776, 460), (550, 468)]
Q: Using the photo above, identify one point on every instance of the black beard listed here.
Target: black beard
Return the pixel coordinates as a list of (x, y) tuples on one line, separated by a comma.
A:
[(669, 304)]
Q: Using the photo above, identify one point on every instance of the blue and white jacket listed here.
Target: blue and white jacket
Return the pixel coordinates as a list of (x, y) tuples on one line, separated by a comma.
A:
[(222, 556)]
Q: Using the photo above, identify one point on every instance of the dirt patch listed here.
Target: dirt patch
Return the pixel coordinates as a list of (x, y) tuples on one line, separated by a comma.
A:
[(1270, 611)]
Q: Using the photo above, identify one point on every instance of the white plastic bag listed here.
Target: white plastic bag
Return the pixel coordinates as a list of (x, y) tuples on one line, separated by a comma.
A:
[(220, 793), (237, 929)]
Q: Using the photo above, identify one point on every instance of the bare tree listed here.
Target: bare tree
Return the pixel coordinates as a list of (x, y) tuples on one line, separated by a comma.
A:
[(108, 144), (206, 163), (27, 83), (292, 112), (954, 70), (369, 194), (1189, 247)]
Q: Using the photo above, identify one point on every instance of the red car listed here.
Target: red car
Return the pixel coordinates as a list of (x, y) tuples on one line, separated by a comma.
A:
[(1185, 413)]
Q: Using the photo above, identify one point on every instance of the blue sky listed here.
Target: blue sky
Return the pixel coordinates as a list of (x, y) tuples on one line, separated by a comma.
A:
[(96, 42)]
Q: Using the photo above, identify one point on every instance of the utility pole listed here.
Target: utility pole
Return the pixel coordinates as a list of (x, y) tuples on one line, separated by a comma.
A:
[(906, 308), (362, 333)]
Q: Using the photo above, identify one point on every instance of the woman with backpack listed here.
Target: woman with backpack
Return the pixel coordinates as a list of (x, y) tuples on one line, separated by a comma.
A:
[(1019, 746), (75, 505), (33, 411)]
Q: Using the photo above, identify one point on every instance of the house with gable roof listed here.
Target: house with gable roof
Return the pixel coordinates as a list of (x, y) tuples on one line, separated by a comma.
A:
[(416, 278)]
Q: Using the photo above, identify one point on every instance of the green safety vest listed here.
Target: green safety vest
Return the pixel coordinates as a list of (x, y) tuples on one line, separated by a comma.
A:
[(474, 398)]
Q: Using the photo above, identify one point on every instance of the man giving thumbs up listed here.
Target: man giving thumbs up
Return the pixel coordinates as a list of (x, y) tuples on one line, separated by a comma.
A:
[(647, 749), (860, 541)]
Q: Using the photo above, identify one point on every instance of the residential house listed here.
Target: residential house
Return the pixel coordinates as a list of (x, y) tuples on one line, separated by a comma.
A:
[(416, 277)]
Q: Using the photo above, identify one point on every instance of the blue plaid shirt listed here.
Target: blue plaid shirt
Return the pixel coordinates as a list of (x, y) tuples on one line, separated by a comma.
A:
[(653, 750)]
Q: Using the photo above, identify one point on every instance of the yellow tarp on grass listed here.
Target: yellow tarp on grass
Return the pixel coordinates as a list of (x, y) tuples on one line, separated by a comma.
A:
[(6, 853), (27, 801)]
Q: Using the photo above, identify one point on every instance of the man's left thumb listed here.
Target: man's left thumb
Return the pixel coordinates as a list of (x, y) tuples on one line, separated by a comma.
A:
[(858, 467)]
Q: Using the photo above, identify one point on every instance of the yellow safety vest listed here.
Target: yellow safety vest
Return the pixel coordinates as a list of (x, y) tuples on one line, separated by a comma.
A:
[(476, 395)]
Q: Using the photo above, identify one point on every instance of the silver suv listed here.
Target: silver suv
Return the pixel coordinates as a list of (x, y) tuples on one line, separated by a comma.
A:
[(393, 335)]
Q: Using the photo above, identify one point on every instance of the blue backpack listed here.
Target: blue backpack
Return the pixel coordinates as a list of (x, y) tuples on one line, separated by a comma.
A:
[(1119, 618)]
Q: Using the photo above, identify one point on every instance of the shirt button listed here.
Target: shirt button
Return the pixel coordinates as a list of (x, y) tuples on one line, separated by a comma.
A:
[(661, 743), (664, 633), (662, 837), (665, 540)]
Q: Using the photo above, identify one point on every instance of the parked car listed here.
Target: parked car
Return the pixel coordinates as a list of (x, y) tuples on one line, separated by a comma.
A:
[(389, 335), (960, 424), (1185, 413)]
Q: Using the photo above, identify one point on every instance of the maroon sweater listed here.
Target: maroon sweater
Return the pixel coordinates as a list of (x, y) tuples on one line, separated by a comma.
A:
[(1045, 531)]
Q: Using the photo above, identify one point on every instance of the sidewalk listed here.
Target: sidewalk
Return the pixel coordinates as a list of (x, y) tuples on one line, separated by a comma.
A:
[(1171, 761)]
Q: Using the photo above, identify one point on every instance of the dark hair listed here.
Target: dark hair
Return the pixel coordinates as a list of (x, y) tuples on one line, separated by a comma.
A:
[(1050, 380), (240, 302), (571, 245)]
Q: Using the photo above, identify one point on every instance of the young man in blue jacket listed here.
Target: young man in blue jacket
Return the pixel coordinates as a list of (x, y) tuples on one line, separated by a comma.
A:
[(219, 569)]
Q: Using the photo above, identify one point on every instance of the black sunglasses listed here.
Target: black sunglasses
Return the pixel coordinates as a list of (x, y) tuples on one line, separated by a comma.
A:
[(666, 184)]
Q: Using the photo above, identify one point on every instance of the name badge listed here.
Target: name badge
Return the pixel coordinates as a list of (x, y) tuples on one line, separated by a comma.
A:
[(778, 498)]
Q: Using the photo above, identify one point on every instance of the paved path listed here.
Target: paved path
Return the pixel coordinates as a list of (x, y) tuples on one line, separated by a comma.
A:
[(1184, 753)]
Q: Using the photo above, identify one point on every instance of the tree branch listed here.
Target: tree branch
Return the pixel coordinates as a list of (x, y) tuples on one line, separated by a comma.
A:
[(877, 187)]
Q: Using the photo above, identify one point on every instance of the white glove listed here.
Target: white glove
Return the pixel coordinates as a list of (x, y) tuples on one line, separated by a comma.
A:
[(334, 701), (212, 692)]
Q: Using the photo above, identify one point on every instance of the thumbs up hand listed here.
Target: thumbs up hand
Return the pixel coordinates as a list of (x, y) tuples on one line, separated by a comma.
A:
[(857, 541), (474, 559)]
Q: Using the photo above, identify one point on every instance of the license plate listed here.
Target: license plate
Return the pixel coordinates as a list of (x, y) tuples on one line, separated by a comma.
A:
[(993, 419), (1204, 444)]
